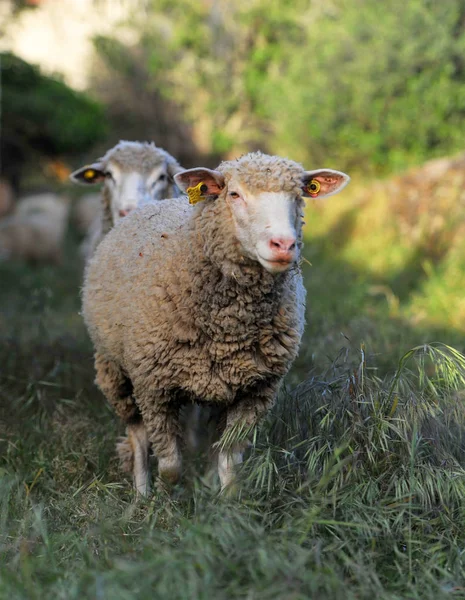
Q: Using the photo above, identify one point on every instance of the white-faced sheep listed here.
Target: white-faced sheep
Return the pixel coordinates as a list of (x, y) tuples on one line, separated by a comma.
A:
[(35, 231), (133, 173), (202, 303)]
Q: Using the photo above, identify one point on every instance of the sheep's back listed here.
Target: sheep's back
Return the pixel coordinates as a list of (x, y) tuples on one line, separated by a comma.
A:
[(121, 278), (168, 321)]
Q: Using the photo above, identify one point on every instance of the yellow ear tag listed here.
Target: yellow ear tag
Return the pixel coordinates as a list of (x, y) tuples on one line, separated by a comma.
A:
[(313, 188), (196, 193), (89, 174)]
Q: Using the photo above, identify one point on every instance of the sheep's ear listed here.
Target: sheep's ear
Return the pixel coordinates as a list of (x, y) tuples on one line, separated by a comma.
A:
[(323, 182), (213, 181), (89, 175)]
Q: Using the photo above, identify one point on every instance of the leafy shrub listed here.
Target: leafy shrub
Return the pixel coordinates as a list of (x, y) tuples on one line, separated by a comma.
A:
[(43, 117), (314, 80)]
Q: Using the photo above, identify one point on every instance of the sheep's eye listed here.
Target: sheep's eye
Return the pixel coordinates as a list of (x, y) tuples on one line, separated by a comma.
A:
[(314, 187), (162, 177), (109, 175), (234, 194)]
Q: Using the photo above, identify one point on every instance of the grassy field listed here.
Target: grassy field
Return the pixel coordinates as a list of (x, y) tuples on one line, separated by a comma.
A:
[(354, 486)]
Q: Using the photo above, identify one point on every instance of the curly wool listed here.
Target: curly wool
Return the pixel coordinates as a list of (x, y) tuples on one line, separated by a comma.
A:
[(177, 313), (142, 157), (261, 172), (160, 304), (138, 156)]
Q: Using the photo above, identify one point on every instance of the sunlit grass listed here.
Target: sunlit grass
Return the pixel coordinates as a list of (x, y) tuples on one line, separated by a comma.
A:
[(387, 263), (353, 487)]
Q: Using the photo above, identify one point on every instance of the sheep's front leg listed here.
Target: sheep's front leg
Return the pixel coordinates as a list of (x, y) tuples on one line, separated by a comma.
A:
[(161, 419), (116, 387), (242, 416), (133, 451), (139, 441), (228, 460)]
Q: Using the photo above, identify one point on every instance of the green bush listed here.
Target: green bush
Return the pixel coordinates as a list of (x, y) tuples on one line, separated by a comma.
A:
[(356, 84), (42, 116)]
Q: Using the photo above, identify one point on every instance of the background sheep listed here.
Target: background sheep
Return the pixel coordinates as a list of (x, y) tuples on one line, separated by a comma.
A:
[(46, 203), (36, 229), (202, 303), (134, 173)]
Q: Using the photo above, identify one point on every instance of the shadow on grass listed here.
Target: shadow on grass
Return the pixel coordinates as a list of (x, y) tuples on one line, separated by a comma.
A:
[(348, 306), (347, 486)]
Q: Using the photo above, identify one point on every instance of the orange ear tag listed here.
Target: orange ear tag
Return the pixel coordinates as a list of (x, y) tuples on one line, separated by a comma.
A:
[(89, 174), (313, 188), (196, 193)]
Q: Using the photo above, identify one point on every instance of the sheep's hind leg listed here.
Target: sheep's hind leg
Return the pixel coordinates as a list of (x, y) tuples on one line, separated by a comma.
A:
[(192, 425), (139, 441), (162, 421), (133, 451)]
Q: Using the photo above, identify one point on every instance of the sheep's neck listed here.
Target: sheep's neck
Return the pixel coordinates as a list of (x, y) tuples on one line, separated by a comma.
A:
[(217, 252), (107, 217), (234, 298), (216, 245)]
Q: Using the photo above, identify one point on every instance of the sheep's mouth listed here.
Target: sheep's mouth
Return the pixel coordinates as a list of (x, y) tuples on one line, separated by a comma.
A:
[(276, 265), (280, 262)]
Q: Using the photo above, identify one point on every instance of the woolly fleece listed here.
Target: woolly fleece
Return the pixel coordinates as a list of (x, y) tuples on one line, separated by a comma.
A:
[(142, 157), (177, 313), (259, 172), (139, 156)]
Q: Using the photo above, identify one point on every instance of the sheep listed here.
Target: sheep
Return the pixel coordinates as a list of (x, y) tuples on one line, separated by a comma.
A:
[(35, 231), (45, 203), (202, 303), (133, 173)]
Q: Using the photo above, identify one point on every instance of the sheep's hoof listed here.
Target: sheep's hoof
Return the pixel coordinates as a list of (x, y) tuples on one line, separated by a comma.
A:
[(169, 470), (142, 489), (231, 490), (164, 487), (169, 476)]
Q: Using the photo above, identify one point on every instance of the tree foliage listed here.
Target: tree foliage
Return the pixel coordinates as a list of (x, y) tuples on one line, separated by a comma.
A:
[(135, 107), (359, 84), (42, 116)]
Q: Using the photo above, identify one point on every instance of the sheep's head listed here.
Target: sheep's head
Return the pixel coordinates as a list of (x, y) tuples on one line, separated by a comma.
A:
[(265, 195), (134, 173)]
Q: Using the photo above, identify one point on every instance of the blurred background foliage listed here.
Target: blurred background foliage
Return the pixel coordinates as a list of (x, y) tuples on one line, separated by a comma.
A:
[(345, 84), (335, 81), (323, 82), (42, 118)]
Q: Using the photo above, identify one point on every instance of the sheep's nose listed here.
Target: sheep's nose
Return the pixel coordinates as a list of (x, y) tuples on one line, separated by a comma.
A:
[(123, 212), (282, 245)]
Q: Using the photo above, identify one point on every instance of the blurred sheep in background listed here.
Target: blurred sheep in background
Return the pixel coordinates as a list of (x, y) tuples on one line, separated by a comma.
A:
[(133, 174), (35, 230)]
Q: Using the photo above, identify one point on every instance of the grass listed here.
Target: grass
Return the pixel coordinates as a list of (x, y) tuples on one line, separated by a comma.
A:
[(354, 486)]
